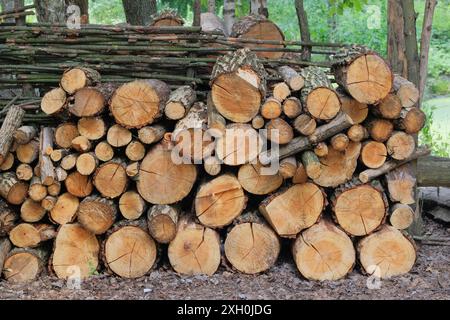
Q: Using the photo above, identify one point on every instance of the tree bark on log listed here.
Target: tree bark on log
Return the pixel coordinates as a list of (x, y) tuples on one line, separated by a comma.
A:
[(24, 264), (11, 123), (12, 189), (8, 218), (162, 221), (97, 214), (65, 209)]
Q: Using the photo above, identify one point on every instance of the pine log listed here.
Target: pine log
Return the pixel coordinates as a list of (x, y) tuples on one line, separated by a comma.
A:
[(387, 252), (87, 102), (359, 208), (256, 179), (321, 149), (288, 167), (363, 74), (128, 250), (339, 142), (251, 245), (162, 221), (411, 121), (169, 18), (58, 154), (291, 77), (161, 181), (61, 174), (11, 123), (31, 211), (195, 249), (258, 122), (373, 154), (69, 162), (26, 235), (111, 179), (305, 125), (54, 189), (380, 129), (212, 166), (8, 162), (279, 131), (8, 218), (5, 248), (151, 134), (24, 265), (54, 101), (292, 107), (357, 111), (406, 91), (81, 144), (402, 216), (104, 151), (312, 165), (324, 252), (317, 96), (179, 103), (37, 191), (96, 214), (401, 183), (271, 108), (45, 163), (281, 91), (389, 108), (93, 128), (238, 85), (79, 185), (12, 189), (24, 134), (74, 247), (28, 153), (86, 163), (132, 170), (291, 210), (65, 209), (139, 103), (300, 175), (131, 205), (400, 145), (258, 27), (118, 136), (357, 133), (65, 133), (48, 203), (78, 78), (219, 201)]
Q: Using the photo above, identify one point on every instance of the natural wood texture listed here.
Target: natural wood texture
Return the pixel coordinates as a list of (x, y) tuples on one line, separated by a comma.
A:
[(26, 235), (321, 149), (169, 18), (380, 129), (433, 171), (61, 174), (24, 134), (312, 165), (24, 265), (281, 91), (96, 214), (37, 191), (93, 128), (118, 136), (54, 101), (8, 162), (8, 218), (139, 12), (135, 151), (48, 203), (54, 189), (87, 102), (131, 205), (132, 170), (211, 22), (179, 102), (387, 252), (324, 252), (5, 248), (212, 166), (28, 153), (258, 122), (255, 178), (238, 85), (65, 209), (401, 183), (195, 249), (151, 134), (161, 181), (357, 133), (339, 142), (139, 103), (294, 209), (104, 151), (239, 145), (219, 201), (407, 92), (291, 77), (288, 167), (259, 27), (363, 74), (69, 162), (128, 250), (402, 216), (81, 144), (292, 107), (57, 154), (12, 189), (78, 78), (251, 245), (400, 145), (271, 108), (279, 131), (302, 18), (110, 179), (357, 111), (47, 169), (318, 96), (162, 221), (79, 185), (65, 133), (11, 123), (229, 12), (373, 154), (74, 247), (389, 108), (411, 121), (396, 38), (300, 175), (338, 167), (31, 211), (86, 163), (359, 208), (305, 125)]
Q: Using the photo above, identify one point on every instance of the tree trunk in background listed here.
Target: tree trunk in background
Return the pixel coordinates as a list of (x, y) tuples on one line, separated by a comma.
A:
[(409, 16), (153, 7), (8, 5), (304, 29), (229, 12), (259, 7), (137, 12), (425, 45), (396, 39), (332, 23), (212, 6), (197, 8), (53, 11), (84, 9)]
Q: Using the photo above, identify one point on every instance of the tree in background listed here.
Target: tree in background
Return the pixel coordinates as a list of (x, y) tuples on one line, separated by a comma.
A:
[(259, 7), (55, 11), (139, 12), (304, 28), (229, 13)]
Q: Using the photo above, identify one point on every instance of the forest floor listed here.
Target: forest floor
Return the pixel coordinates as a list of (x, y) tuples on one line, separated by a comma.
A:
[(429, 279)]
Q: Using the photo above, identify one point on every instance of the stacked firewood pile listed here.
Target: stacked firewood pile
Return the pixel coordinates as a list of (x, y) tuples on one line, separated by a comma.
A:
[(130, 172)]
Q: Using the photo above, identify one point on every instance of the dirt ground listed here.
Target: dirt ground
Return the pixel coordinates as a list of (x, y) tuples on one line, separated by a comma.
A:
[(429, 279)]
